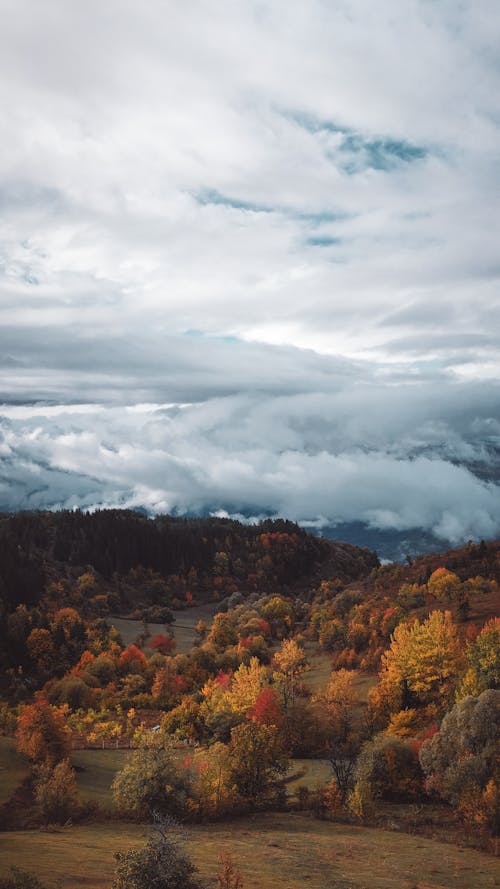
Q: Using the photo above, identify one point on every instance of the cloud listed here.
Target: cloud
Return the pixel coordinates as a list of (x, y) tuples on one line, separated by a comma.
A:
[(338, 448), (281, 218), (178, 168)]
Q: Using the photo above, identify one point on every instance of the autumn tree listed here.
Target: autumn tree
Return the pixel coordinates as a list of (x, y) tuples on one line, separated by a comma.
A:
[(342, 735), (390, 767), (444, 584), (41, 649), (56, 791), (483, 656), (42, 733), (421, 667), (290, 662), (247, 683), (256, 761), (267, 710)]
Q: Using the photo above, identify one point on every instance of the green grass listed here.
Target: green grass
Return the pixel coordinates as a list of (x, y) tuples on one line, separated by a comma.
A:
[(95, 772), (14, 768), (286, 850)]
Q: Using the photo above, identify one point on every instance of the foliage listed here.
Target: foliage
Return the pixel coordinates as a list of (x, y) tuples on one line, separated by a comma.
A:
[(56, 791), (422, 665), (464, 756), (361, 802), (341, 734), (20, 879), (228, 876), (390, 767), (290, 660), (160, 864), (484, 661), (256, 761), (151, 781), (42, 733)]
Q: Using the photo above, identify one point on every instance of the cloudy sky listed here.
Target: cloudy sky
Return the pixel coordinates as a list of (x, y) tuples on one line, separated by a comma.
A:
[(249, 259)]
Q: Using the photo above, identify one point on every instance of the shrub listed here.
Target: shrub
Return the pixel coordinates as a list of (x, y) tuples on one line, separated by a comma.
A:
[(390, 767)]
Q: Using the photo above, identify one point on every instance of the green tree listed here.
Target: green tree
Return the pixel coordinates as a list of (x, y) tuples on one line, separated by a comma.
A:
[(151, 781), (464, 756)]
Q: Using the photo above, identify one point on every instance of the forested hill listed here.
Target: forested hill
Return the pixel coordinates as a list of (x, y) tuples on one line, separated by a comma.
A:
[(163, 560)]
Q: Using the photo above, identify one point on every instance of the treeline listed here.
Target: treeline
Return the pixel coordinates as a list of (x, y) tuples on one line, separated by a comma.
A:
[(199, 556)]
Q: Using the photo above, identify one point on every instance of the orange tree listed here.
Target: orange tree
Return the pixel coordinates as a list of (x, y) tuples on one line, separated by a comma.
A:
[(42, 732)]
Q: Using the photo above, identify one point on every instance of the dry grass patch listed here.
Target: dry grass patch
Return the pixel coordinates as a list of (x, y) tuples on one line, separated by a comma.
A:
[(286, 850)]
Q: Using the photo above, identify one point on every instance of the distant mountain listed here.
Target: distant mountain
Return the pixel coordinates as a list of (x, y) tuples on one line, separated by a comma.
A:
[(390, 545)]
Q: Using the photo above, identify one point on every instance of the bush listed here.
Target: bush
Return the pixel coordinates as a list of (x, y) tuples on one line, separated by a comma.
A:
[(390, 767), (20, 879), (161, 864)]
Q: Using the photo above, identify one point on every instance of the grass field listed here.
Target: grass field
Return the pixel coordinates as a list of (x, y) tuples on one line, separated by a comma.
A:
[(95, 770), (14, 768), (286, 850), (183, 628)]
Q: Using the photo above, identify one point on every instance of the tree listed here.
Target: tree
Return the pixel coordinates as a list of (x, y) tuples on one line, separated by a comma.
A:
[(267, 710), (484, 661), (246, 685), (464, 756), (42, 733), (390, 767), (291, 662), (41, 649), (256, 760), (342, 737), (422, 665), (444, 584), (151, 781), (56, 792), (161, 864)]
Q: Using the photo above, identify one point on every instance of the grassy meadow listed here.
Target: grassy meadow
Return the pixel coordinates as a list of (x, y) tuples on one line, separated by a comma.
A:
[(286, 850), (14, 768), (183, 627)]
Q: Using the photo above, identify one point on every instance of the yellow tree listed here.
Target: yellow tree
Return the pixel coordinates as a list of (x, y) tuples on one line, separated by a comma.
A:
[(291, 662), (342, 735), (246, 686), (422, 665)]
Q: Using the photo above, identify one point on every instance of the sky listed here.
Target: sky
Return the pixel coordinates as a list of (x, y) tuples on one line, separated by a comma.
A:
[(249, 260)]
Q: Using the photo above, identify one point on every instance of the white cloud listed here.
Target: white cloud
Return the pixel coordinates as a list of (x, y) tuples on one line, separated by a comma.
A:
[(283, 215)]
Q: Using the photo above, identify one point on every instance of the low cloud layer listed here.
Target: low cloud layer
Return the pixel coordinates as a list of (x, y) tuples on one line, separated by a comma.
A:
[(344, 446)]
